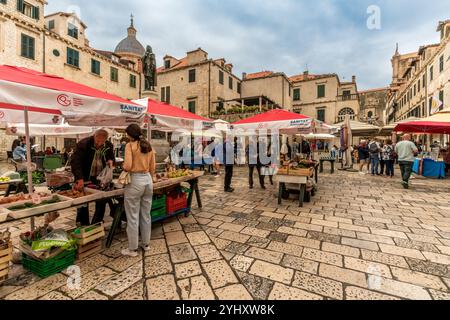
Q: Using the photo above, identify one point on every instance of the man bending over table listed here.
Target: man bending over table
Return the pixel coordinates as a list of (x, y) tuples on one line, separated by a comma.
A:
[(91, 156)]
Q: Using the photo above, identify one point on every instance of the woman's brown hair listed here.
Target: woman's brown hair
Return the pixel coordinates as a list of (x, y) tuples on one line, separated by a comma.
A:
[(135, 132)]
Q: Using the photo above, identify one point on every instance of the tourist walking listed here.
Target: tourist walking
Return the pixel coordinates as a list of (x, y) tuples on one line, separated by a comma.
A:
[(388, 156), (374, 154), (382, 162), (253, 160), (406, 151), (140, 165), (363, 156)]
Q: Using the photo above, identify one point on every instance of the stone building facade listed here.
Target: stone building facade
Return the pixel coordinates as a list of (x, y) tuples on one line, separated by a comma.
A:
[(325, 97), (197, 83), (372, 106), (57, 44), (421, 80)]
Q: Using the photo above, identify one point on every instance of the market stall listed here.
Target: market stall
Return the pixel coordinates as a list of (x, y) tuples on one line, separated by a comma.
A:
[(438, 123), (294, 174)]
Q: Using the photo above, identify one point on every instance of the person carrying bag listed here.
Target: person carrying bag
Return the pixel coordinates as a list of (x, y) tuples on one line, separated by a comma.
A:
[(140, 165)]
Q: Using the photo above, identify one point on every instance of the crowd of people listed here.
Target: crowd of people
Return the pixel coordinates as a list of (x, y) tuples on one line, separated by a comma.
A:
[(19, 151), (379, 158)]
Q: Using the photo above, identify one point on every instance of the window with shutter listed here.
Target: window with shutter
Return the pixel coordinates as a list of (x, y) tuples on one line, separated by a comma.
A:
[(167, 94), (35, 13), (321, 91), (73, 57), (95, 67), (441, 64), (20, 5), (3, 1), (230, 83), (297, 94), (27, 46), (191, 106), (220, 77), (441, 98), (51, 24), (114, 74), (132, 81), (191, 75), (163, 94), (72, 31)]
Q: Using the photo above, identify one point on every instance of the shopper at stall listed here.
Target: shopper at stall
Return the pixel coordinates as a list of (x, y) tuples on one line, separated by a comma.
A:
[(382, 162), (91, 156), (20, 152), (406, 151), (388, 155), (140, 164), (17, 142), (363, 156)]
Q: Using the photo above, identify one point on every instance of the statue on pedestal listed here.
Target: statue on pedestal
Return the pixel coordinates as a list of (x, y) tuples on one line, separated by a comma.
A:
[(149, 69)]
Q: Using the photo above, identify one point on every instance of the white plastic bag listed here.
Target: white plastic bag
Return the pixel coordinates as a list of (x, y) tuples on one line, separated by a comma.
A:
[(106, 176)]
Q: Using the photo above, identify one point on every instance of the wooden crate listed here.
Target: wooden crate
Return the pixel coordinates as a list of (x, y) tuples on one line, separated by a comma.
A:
[(89, 234), (90, 249), (303, 172), (5, 258), (44, 255)]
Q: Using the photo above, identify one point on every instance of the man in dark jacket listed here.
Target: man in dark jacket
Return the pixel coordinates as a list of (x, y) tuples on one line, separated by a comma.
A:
[(228, 161), (91, 156)]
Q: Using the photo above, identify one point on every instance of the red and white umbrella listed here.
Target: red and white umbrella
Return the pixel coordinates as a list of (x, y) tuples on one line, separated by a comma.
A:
[(285, 122), (165, 117), (30, 96), (48, 98)]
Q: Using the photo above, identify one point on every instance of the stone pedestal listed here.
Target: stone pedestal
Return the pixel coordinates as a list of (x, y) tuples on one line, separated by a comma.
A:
[(150, 94)]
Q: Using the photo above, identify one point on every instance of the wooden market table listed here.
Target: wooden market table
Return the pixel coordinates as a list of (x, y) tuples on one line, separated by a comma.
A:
[(117, 196), (300, 180), (19, 184)]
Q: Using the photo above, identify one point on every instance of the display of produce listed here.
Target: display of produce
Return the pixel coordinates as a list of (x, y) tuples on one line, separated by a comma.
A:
[(178, 173), (19, 197), (5, 237), (300, 168), (57, 179), (5, 179), (28, 205), (38, 177), (74, 194)]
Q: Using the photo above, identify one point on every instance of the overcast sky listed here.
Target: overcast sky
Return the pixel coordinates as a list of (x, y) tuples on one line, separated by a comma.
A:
[(326, 36)]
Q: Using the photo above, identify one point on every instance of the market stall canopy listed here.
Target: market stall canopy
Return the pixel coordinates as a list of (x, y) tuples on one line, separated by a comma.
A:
[(361, 129), (438, 123), (165, 117), (388, 129), (47, 130), (285, 122), (318, 136), (48, 98), (221, 125)]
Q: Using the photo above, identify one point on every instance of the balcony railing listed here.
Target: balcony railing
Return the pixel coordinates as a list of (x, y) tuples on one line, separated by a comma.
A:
[(348, 97)]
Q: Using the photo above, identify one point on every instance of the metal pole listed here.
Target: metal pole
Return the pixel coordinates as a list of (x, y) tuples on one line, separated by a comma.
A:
[(30, 176)]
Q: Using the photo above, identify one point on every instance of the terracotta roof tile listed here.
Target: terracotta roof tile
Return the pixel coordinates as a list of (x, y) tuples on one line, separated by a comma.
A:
[(182, 63), (258, 75), (305, 77)]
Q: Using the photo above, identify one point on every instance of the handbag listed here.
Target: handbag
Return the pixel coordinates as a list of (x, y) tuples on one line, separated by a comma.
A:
[(124, 178)]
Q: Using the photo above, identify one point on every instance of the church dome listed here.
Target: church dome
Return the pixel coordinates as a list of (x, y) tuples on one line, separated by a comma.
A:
[(130, 45)]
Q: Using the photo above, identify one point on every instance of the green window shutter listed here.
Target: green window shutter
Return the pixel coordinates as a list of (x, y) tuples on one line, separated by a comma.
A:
[(191, 106), (23, 46), (163, 94), (27, 47), (36, 13), (132, 81), (168, 94), (20, 6), (296, 94), (3, 1), (321, 91)]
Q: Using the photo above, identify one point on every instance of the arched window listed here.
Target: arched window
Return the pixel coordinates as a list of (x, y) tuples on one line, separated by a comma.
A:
[(370, 115), (344, 112)]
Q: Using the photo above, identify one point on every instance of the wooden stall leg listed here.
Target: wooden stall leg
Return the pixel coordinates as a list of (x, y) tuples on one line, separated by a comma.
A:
[(332, 167), (197, 194), (280, 192), (316, 174), (116, 223), (321, 166), (302, 194)]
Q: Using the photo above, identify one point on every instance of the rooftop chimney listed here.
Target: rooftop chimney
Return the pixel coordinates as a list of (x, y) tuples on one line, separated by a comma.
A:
[(244, 75), (306, 73), (354, 79)]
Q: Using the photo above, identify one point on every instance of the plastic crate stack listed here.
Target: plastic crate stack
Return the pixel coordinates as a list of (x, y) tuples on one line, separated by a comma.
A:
[(48, 267), (5, 259), (158, 207), (177, 200)]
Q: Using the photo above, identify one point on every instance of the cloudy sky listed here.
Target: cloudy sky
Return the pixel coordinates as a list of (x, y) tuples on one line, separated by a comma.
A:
[(325, 36)]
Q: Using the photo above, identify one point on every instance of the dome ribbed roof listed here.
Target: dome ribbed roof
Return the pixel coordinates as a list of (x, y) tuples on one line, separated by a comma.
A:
[(130, 44)]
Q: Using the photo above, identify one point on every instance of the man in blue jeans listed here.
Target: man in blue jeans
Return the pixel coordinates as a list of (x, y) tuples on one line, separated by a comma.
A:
[(406, 151), (374, 151)]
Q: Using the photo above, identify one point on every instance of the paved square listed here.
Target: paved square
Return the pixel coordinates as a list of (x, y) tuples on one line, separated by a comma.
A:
[(361, 237)]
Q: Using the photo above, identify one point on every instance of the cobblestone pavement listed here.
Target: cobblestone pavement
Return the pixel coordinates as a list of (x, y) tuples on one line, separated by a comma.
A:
[(361, 237)]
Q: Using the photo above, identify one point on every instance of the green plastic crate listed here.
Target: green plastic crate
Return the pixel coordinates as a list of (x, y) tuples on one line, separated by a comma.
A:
[(157, 213), (49, 267), (159, 201)]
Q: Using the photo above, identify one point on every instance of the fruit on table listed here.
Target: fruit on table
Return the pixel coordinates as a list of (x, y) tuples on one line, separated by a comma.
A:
[(5, 179), (178, 173), (29, 205), (72, 194)]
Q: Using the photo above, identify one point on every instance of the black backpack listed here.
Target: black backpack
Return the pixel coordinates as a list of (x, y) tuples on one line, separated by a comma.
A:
[(373, 148)]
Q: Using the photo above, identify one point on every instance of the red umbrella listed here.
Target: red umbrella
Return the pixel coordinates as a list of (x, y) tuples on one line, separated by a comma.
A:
[(165, 117), (438, 123)]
